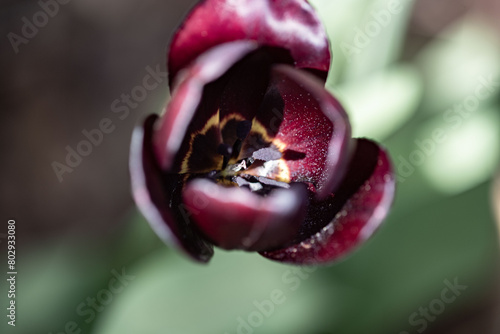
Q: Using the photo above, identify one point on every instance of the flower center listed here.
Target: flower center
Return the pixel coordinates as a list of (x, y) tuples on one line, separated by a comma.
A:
[(235, 174), (233, 170)]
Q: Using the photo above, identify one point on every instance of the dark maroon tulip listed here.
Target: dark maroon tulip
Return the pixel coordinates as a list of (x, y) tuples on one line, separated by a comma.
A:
[(289, 24), (253, 153)]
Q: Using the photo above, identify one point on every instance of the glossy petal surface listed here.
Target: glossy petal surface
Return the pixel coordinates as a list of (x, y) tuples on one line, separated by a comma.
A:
[(288, 24), (308, 126), (350, 216), (235, 218), (158, 196)]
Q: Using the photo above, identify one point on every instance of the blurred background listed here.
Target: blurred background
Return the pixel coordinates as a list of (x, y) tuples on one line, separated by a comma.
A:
[(422, 77)]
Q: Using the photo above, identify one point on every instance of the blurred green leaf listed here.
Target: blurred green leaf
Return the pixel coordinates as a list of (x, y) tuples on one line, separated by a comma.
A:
[(401, 269), (404, 266), (173, 295), (365, 35), (457, 62), (469, 154), (382, 102), (339, 18), (384, 31), (55, 277)]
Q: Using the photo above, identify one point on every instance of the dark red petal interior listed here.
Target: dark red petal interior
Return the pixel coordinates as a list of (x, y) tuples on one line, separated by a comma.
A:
[(243, 90), (235, 218), (159, 198), (308, 125), (335, 226), (288, 24), (187, 117)]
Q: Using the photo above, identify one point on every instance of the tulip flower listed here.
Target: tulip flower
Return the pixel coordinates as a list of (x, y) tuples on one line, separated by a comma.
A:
[(252, 152)]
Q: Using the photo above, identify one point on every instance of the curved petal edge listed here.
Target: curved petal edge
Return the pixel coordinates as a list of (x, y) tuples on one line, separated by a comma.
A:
[(289, 24), (184, 105), (158, 197), (235, 218), (358, 218)]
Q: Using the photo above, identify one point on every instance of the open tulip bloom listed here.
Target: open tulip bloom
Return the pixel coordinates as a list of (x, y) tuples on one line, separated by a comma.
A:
[(252, 152)]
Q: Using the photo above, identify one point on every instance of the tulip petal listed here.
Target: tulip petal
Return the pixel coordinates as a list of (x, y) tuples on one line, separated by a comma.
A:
[(246, 85), (191, 122), (346, 219), (308, 125), (288, 24), (158, 197), (235, 218)]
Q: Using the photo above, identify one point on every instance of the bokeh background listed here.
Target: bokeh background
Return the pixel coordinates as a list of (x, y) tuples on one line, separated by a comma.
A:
[(400, 85)]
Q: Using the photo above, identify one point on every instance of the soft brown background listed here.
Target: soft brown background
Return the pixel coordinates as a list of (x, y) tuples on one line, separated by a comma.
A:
[(64, 80)]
